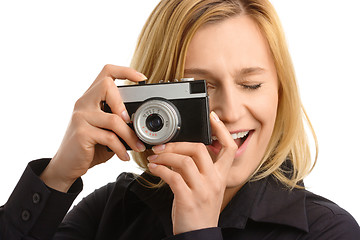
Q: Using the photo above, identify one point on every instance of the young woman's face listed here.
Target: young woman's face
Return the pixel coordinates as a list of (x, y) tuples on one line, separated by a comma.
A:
[(234, 58)]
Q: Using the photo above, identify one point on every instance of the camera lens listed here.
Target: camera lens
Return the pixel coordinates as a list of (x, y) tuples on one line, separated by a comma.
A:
[(154, 122)]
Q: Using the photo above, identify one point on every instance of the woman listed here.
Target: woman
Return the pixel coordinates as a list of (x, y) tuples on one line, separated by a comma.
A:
[(246, 185)]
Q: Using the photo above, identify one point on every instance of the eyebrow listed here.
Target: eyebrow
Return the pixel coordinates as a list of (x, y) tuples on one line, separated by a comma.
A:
[(251, 71), (242, 73)]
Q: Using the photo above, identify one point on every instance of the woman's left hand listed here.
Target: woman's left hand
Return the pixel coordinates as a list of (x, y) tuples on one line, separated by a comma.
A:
[(197, 182)]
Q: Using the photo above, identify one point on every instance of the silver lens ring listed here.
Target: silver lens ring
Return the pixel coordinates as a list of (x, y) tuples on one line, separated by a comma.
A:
[(169, 116)]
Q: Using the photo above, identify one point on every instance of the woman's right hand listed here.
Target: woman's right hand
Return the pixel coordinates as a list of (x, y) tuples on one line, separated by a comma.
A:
[(91, 130)]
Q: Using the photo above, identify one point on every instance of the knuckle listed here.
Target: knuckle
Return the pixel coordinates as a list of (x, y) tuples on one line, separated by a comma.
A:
[(113, 120), (79, 103), (176, 179), (201, 147), (77, 117), (107, 83), (170, 146), (107, 67), (201, 150), (110, 136), (205, 197), (187, 161), (217, 187)]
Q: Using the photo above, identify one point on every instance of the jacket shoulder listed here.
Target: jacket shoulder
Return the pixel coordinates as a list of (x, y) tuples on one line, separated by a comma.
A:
[(327, 220), (84, 220)]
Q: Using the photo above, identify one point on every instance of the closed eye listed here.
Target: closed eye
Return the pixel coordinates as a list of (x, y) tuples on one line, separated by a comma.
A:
[(251, 86)]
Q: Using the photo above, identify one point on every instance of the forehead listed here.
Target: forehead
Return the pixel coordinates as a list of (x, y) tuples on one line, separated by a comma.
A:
[(235, 41)]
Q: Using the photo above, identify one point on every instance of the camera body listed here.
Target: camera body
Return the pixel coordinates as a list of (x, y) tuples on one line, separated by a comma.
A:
[(167, 112)]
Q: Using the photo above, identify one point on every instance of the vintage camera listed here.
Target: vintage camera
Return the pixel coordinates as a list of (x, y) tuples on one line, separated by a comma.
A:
[(167, 112)]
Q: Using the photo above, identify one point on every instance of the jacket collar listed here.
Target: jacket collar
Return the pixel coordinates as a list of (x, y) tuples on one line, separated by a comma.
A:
[(264, 201)]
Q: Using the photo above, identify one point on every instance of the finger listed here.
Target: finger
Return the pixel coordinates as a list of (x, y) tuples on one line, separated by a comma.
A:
[(172, 178), (197, 151), (182, 164), (114, 123), (105, 91), (104, 84), (120, 72), (111, 94), (109, 139), (227, 153)]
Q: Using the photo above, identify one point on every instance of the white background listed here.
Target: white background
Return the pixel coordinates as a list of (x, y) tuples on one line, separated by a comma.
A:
[(51, 51)]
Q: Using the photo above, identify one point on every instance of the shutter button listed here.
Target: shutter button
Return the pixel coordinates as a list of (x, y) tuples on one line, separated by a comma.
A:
[(36, 198), (25, 215)]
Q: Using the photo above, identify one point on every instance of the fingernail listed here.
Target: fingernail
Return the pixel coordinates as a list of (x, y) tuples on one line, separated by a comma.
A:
[(140, 146), (152, 165), (152, 157), (125, 116), (215, 116), (126, 157), (158, 148), (142, 75)]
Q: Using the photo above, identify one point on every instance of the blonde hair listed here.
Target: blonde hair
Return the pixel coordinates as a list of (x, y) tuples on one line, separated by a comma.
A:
[(160, 55)]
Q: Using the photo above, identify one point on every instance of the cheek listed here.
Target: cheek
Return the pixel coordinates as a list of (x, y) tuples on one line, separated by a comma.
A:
[(213, 98), (265, 110)]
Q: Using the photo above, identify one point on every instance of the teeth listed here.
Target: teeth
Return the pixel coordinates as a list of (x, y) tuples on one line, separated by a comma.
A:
[(234, 135), (239, 135)]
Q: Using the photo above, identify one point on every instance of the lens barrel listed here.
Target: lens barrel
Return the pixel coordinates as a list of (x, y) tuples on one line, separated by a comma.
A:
[(156, 121)]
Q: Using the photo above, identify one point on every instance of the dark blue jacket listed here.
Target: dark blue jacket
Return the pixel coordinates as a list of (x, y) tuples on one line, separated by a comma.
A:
[(126, 209)]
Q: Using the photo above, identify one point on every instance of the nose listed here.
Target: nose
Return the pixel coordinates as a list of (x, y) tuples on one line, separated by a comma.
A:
[(228, 104)]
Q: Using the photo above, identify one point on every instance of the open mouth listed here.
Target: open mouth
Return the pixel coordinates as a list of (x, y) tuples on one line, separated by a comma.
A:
[(239, 138)]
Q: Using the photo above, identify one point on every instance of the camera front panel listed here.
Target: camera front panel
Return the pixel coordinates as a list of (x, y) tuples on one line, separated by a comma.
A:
[(189, 98), (195, 122)]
